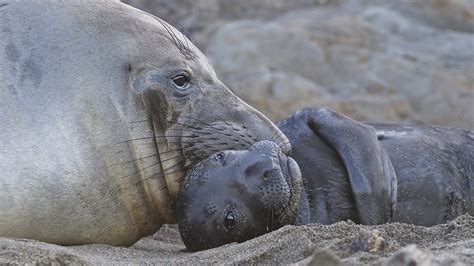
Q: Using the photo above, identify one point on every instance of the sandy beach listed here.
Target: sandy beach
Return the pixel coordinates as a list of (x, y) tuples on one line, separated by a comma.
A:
[(314, 244)]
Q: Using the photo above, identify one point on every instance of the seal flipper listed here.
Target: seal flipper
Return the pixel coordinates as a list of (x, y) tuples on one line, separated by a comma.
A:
[(371, 174)]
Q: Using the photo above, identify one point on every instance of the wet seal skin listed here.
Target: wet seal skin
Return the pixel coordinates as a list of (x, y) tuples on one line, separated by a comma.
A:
[(103, 108), (368, 173)]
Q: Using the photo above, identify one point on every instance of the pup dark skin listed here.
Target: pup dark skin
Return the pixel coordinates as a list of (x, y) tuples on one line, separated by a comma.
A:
[(368, 173)]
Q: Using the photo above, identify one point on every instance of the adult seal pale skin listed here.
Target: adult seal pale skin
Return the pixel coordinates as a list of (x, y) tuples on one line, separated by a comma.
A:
[(103, 108), (368, 173)]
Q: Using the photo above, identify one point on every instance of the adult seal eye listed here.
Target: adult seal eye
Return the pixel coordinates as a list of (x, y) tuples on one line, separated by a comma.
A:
[(181, 81), (229, 220), (219, 157)]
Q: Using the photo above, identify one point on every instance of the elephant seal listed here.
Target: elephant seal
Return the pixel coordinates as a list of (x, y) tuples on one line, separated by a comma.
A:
[(238, 195), (368, 173), (103, 108)]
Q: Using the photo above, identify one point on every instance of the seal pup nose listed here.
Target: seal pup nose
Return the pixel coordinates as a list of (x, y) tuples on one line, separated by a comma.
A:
[(264, 161), (261, 167)]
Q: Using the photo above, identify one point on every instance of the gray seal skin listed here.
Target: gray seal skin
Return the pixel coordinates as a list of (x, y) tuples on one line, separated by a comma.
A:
[(103, 108), (368, 173)]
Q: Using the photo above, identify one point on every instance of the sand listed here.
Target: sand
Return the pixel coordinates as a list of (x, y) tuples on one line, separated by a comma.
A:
[(314, 244)]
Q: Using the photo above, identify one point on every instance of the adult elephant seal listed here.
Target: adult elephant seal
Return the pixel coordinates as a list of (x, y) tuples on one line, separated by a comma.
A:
[(102, 109), (369, 173)]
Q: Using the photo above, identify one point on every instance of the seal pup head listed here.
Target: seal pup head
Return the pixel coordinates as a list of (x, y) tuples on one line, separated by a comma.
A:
[(233, 196)]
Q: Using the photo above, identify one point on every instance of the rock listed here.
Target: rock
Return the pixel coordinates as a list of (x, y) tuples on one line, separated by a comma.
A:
[(446, 14), (377, 57), (369, 241), (321, 257), (457, 15), (190, 16), (198, 18), (409, 256)]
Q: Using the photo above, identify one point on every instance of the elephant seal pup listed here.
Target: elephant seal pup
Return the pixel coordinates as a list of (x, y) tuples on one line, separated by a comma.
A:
[(369, 173), (238, 195), (102, 109)]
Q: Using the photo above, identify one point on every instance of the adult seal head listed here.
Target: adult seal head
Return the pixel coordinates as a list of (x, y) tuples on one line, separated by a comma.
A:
[(103, 108), (234, 196)]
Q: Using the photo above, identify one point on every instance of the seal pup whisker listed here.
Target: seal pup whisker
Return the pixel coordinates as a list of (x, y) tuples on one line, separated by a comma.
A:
[(273, 218), (268, 219)]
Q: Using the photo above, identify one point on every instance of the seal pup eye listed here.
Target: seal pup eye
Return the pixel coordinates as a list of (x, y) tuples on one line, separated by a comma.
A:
[(219, 157), (181, 81), (229, 220)]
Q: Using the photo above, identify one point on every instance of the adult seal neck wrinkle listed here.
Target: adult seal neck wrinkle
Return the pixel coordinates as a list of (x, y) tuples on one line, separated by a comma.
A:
[(172, 171), (160, 202)]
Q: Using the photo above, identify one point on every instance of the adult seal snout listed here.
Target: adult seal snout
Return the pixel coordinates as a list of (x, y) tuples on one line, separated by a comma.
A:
[(103, 108), (233, 196)]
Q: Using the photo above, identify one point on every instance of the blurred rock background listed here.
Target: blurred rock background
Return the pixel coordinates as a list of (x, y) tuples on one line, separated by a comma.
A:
[(374, 60)]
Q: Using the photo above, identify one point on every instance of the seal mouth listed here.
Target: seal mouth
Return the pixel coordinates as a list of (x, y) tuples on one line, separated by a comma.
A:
[(293, 178), (293, 171), (289, 169), (288, 172)]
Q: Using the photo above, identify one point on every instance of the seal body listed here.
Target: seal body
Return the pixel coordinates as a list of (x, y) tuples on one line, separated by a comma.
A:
[(434, 168), (102, 109), (368, 173)]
